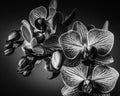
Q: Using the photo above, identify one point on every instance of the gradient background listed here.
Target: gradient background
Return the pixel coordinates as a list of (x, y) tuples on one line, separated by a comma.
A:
[(11, 14)]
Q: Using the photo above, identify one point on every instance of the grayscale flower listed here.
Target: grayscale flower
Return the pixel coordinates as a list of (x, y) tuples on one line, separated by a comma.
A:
[(76, 79), (43, 25), (29, 41), (94, 44), (79, 39), (54, 63), (49, 46), (40, 21)]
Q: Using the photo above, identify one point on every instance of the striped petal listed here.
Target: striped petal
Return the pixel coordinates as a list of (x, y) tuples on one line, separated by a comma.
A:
[(52, 8), (108, 59), (73, 76), (72, 62), (39, 12), (70, 91), (102, 40), (82, 30), (104, 78), (70, 43), (26, 31)]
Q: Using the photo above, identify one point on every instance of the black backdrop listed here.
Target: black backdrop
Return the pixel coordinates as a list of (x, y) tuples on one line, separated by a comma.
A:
[(11, 14)]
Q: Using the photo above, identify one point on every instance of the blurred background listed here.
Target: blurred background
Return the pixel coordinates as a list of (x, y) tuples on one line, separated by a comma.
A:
[(11, 14)]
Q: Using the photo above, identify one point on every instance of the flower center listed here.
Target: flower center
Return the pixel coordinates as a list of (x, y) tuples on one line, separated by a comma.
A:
[(89, 55), (85, 51), (39, 37), (41, 24), (87, 87)]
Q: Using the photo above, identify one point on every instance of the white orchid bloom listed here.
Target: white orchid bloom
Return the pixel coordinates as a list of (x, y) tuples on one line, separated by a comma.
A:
[(80, 40), (39, 20), (102, 79)]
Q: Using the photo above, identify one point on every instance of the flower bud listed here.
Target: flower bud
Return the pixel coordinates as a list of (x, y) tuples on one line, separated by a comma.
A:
[(9, 51), (26, 73), (14, 35), (23, 62), (56, 60)]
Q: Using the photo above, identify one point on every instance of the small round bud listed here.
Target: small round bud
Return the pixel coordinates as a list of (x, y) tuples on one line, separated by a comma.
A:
[(56, 60)]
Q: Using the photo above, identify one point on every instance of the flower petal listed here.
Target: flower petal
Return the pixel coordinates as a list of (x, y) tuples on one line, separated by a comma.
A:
[(104, 78), (70, 43), (52, 8), (82, 30), (70, 91), (33, 42), (103, 40), (26, 31), (38, 50), (53, 4), (108, 59), (56, 60), (73, 76), (72, 62), (52, 42), (26, 45), (39, 12), (52, 13), (105, 26)]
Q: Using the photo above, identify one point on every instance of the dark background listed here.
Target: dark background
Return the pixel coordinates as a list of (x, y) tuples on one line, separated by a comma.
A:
[(11, 14)]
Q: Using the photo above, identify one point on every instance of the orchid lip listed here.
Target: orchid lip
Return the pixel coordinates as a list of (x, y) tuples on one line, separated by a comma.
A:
[(86, 50), (87, 87)]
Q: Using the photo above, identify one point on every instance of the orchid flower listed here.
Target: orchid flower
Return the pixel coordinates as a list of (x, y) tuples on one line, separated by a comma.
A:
[(43, 25), (49, 46), (32, 43), (29, 41), (76, 79), (39, 20), (80, 43)]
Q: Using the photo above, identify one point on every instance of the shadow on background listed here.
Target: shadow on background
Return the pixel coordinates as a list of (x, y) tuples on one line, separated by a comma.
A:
[(11, 14)]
